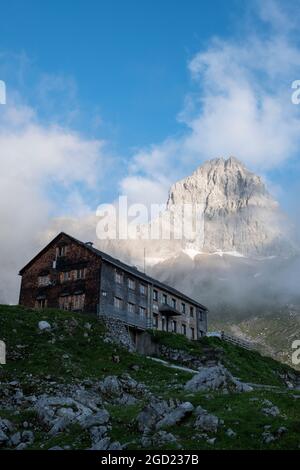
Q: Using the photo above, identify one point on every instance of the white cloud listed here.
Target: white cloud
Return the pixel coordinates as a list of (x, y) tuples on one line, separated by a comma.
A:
[(34, 159)]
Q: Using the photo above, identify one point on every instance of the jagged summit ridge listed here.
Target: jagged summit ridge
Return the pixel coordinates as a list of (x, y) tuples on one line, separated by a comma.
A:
[(239, 213), (222, 184)]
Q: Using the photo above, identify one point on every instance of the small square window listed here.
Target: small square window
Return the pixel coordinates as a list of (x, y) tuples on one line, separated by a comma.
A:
[(131, 308), (119, 277), (143, 289), (142, 312), (61, 250), (131, 284), (44, 280), (118, 303)]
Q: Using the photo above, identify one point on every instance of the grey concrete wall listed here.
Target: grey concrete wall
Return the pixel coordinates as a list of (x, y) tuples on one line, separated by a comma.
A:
[(109, 289)]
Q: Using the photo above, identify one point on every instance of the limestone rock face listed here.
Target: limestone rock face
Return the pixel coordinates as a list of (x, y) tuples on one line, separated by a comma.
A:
[(239, 215)]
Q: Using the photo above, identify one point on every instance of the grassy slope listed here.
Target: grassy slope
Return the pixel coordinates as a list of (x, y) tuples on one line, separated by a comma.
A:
[(41, 354), (249, 366), (274, 330)]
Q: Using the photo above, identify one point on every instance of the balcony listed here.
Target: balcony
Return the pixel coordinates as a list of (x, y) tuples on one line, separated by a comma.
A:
[(168, 310)]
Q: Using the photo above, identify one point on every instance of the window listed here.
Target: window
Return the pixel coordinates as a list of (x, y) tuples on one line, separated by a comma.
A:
[(155, 295), (165, 298), (183, 308), (72, 302), (174, 326), (192, 333), (78, 301), (65, 302), (73, 275), (40, 304), (192, 312), (143, 289), (118, 303), (79, 273), (44, 280), (174, 303), (200, 315), (142, 312), (61, 250), (119, 277), (183, 329), (155, 321), (66, 276), (131, 307), (131, 284)]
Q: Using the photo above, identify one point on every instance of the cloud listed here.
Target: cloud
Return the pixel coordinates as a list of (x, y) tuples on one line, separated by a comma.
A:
[(241, 106), (42, 168)]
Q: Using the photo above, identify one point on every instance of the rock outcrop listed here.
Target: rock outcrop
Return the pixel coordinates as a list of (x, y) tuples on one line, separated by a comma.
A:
[(215, 378)]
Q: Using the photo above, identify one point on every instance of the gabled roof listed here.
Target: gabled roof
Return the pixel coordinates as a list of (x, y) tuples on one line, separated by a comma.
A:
[(118, 264)]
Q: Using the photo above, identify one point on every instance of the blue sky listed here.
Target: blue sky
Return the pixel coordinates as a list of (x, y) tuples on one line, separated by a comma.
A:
[(128, 58), (139, 93)]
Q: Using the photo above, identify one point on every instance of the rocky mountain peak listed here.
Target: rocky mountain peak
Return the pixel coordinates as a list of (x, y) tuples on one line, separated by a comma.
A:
[(221, 183), (239, 213)]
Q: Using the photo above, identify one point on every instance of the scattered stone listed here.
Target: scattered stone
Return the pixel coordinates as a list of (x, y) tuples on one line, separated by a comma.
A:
[(102, 417), (103, 444), (3, 438), (206, 421), (281, 430), (176, 415), (15, 439), (230, 433), (268, 437), (272, 411), (122, 390), (27, 437), (158, 439), (44, 325), (22, 446), (211, 441)]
